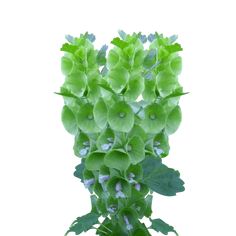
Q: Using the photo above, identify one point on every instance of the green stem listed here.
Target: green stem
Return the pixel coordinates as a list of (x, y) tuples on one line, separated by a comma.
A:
[(106, 227), (99, 230)]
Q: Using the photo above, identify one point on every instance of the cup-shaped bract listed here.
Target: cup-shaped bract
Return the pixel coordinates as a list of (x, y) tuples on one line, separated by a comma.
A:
[(155, 118), (82, 145), (76, 83), (85, 119), (121, 117), (100, 113), (94, 161), (117, 159)]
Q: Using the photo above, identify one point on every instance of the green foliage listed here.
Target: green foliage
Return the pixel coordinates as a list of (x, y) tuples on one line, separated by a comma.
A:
[(160, 226), (121, 108)]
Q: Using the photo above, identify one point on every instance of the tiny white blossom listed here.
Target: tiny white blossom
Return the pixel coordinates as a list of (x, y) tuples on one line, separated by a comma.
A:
[(88, 182)]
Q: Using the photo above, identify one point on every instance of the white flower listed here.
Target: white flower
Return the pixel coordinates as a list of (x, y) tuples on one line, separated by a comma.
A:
[(106, 146), (138, 187), (118, 187), (103, 178), (88, 182), (120, 194), (128, 225), (83, 152)]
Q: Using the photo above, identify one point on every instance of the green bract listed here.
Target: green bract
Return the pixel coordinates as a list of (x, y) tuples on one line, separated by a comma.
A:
[(121, 106)]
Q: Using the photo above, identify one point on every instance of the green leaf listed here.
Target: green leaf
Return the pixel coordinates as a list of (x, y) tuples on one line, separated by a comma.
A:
[(118, 78), (66, 65), (93, 199), (101, 56), (160, 226), (68, 120), (66, 47), (135, 149), (177, 93), (117, 159), (85, 119), (83, 223), (160, 178), (141, 231), (100, 113), (155, 118), (94, 161), (173, 120), (135, 88), (119, 43), (75, 84), (121, 117), (79, 171), (174, 48), (148, 210), (166, 83)]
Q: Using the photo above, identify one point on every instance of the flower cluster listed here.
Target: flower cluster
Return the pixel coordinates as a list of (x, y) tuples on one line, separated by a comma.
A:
[(121, 108)]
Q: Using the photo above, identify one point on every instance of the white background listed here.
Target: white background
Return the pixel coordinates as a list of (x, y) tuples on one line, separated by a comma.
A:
[(38, 193)]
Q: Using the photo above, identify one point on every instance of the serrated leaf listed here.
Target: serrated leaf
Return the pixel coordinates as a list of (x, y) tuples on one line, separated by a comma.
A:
[(83, 223), (160, 226), (100, 113), (66, 47), (121, 117), (69, 120), (79, 171), (155, 118), (94, 161), (160, 178), (173, 120), (174, 48), (117, 159), (119, 43)]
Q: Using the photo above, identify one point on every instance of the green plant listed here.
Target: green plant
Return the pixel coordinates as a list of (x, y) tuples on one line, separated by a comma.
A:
[(121, 108)]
